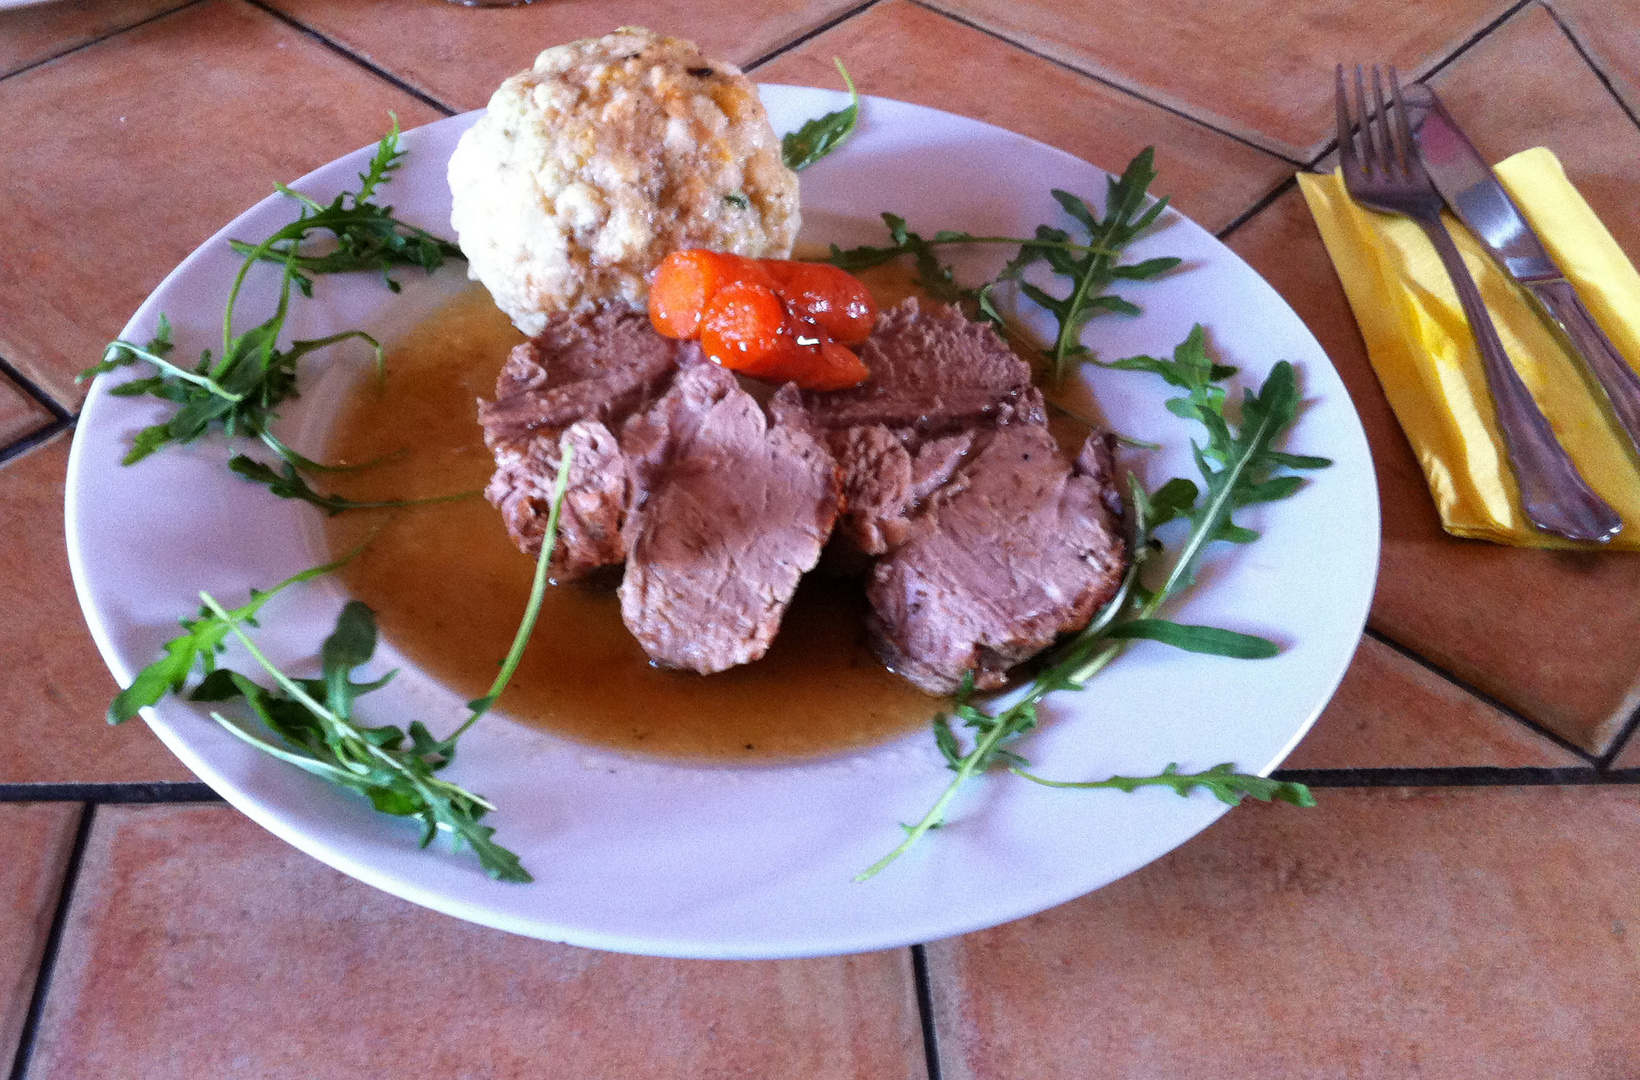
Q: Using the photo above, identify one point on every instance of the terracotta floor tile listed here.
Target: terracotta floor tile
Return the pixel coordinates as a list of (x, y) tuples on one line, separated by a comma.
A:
[(1261, 68), (901, 50), (1555, 636), (1555, 100), (459, 55), (121, 158), (55, 686), (1462, 933), (19, 413), (200, 946), (30, 35), (1392, 712), (1610, 31), (39, 837)]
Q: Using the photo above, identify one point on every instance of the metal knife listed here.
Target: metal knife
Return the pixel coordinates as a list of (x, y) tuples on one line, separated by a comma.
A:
[(1475, 195)]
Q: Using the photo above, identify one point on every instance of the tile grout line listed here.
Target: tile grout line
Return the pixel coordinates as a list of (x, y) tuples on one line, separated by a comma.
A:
[(34, 390), (342, 50), (1263, 203), (99, 40), (1474, 39), (809, 35), (54, 937), (1462, 776), (1476, 692), (925, 1011), (38, 437), (111, 793), (1175, 110), (1599, 72), (1630, 726)]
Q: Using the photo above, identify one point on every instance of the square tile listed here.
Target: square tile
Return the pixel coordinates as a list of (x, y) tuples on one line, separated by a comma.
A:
[(1459, 933), (39, 837), (902, 50), (200, 945), (1553, 635), (123, 157), (20, 414), (1259, 68), (1391, 712), (56, 686), (459, 55), (30, 35)]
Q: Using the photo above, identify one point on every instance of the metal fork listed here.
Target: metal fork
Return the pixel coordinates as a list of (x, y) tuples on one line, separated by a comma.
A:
[(1384, 173)]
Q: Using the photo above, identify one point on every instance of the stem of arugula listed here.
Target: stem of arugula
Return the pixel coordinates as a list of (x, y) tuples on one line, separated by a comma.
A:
[(532, 609)]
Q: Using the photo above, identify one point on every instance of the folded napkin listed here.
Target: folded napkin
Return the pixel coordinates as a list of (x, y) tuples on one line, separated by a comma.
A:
[(1425, 355)]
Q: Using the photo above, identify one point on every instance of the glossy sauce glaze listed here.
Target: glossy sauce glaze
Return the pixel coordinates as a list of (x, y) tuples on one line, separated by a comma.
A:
[(448, 588)]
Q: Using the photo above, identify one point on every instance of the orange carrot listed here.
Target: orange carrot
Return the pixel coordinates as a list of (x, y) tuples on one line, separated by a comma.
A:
[(768, 318), (685, 283), (827, 295), (743, 328)]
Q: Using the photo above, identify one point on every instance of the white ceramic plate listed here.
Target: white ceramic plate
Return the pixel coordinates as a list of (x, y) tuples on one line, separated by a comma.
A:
[(648, 857)]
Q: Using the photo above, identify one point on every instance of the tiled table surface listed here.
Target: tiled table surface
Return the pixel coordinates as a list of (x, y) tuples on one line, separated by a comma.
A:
[(1461, 903)]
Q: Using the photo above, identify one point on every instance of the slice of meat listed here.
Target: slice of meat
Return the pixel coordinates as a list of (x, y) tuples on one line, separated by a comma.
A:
[(602, 366), (937, 379), (730, 512), (1021, 545), (884, 481), (574, 383), (595, 499), (933, 371)]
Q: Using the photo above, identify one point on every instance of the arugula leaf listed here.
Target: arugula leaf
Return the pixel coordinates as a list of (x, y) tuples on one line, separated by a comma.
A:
[(288, 484), (1126, 216), (201, 643), (1197, 639), (1237, 467), (240, 391), (1221, 781), (368, 236), (1090, 264), (314, 718), (321, 737), (820, 136)]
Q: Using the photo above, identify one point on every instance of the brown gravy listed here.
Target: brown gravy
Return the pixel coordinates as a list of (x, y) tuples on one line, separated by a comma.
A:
[(448, 588)]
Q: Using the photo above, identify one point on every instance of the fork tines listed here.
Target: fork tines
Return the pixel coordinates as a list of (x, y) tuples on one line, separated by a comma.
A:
[(1383, 147)]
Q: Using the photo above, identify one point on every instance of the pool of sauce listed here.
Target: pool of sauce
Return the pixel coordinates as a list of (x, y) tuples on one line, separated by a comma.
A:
[(448, 588)]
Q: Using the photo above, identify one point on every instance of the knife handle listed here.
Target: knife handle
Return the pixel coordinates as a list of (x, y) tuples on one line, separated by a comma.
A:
[(1552, 492), (1614, 374)]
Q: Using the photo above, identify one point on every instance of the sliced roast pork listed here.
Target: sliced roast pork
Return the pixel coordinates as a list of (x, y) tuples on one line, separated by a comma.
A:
[(937, 378), (933, 371), (574, 384), (730, 511), (1021, 545)]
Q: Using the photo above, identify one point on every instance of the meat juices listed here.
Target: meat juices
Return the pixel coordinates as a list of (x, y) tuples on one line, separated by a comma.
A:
[(981, 539)]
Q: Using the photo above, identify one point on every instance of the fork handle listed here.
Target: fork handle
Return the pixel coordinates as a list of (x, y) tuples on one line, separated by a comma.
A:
[(1614, 374), (1555, 497)]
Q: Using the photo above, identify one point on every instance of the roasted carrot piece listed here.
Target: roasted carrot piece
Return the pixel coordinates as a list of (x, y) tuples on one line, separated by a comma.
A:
[(833, 367), (685, 283), (834, 298), (744, 328)]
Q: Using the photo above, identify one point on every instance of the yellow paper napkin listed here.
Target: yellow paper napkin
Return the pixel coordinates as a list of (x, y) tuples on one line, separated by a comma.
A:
[(1425, 355)]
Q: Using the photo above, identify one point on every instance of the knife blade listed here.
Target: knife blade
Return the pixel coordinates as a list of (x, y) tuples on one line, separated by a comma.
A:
[(1474, 194)]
